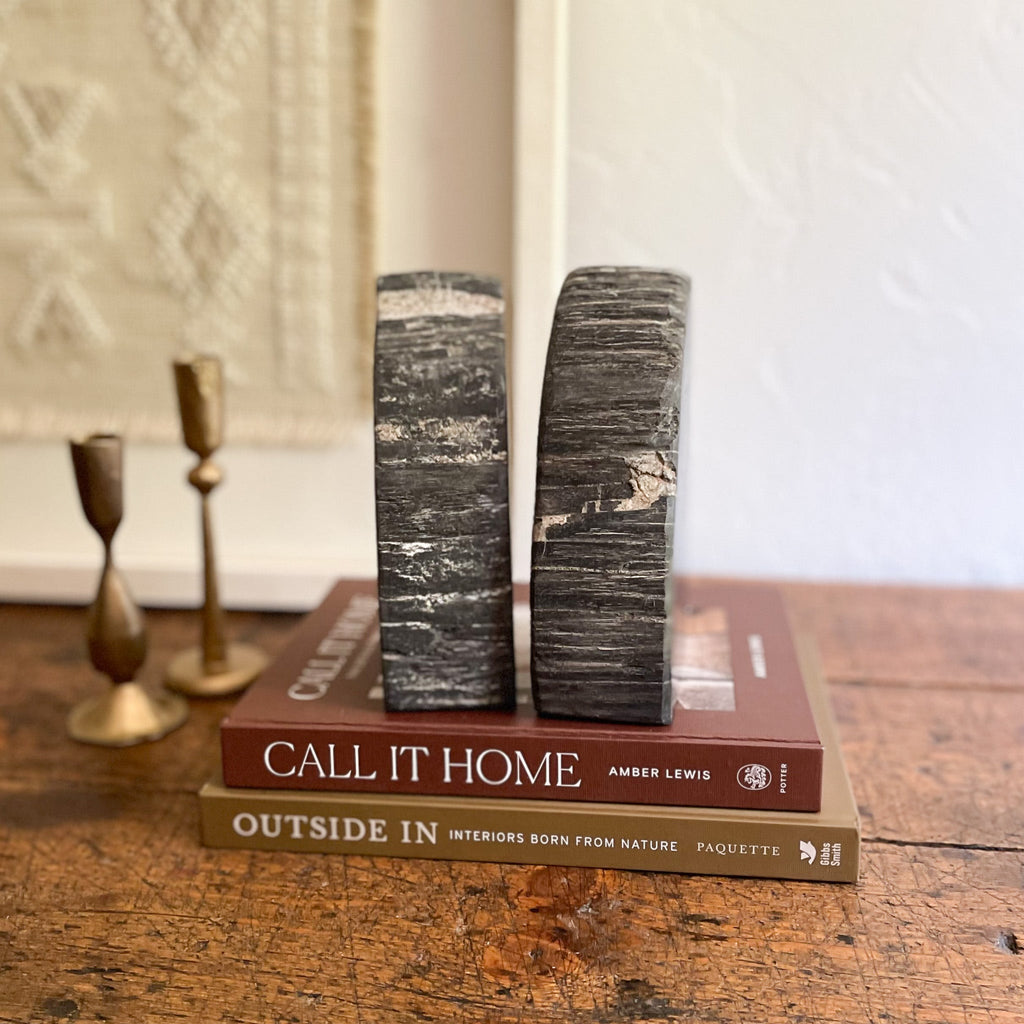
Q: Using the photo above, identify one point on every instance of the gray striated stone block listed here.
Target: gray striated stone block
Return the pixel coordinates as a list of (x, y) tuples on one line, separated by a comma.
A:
[(441, 464), (601, 581)]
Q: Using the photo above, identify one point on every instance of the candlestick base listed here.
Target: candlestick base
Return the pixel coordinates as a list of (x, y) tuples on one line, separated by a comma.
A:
[(188, 674), (125, 715)]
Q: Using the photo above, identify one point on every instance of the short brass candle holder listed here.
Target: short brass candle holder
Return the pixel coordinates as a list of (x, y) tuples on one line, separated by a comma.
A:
[(215, 667), (115, 629)]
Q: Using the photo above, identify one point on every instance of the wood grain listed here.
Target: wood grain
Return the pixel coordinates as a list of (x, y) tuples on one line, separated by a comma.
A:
[(914, 636), (159, 930), (942, 766), (111, 910), (44, 672)]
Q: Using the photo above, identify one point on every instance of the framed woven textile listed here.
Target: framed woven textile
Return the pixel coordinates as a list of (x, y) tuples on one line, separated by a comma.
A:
[(185, 175)]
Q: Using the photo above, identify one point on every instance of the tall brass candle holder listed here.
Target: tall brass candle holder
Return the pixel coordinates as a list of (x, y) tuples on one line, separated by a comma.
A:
[(115, 630), (216, 667)]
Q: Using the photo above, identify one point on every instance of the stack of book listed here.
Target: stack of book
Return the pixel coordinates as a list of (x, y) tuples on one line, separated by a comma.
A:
[(748, 779)]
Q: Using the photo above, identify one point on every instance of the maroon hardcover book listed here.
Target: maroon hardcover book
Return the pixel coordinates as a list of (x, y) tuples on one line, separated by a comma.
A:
[(742, 735)]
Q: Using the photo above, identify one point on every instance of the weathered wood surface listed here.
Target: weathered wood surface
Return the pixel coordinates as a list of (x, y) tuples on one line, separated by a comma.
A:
[(441, 458), (110, 909), (913, 635), (607, 454)]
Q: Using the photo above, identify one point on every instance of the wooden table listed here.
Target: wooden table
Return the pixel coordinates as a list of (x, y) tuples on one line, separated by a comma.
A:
[(111, 911)]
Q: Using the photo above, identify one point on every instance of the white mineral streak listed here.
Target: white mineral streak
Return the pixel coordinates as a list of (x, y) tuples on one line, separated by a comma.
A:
[(651, 478), (409, 303), (472, 430), (470, 458), (389, 432), (542, 525), (472, 436), (468, 431)]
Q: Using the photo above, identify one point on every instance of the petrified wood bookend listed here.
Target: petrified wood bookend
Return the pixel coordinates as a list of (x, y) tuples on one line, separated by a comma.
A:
[(444, 571), (606, 479)]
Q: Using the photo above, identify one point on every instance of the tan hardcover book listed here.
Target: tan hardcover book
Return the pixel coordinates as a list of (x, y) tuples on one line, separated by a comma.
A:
[(819, 846)]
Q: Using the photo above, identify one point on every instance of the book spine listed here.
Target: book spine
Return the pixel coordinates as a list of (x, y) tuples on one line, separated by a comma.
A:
[(530, 832), (739, 775)]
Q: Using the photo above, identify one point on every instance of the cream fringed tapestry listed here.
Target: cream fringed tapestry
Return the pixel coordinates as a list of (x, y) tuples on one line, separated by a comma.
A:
[(184, 175)]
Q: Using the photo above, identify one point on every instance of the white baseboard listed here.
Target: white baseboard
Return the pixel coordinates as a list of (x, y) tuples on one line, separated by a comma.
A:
[(274, 589)]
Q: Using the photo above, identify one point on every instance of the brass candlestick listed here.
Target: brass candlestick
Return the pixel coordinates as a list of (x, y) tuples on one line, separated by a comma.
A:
[(217, 667), (115, 631)]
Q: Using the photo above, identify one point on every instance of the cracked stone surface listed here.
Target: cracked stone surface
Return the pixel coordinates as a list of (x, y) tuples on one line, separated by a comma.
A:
[(441, 462), (606, 484)]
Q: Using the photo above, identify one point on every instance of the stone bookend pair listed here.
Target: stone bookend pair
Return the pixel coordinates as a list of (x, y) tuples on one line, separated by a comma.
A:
[(606, 480)]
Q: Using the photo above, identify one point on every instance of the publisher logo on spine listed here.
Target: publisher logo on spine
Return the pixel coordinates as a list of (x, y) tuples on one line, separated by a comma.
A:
[(754, 777)]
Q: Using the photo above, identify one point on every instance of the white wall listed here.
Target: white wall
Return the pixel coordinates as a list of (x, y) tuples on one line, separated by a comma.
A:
[(290, 521), (845, 185)]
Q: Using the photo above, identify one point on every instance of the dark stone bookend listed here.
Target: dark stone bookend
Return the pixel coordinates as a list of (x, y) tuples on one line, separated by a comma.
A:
[(441, 463), (601, 580)]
